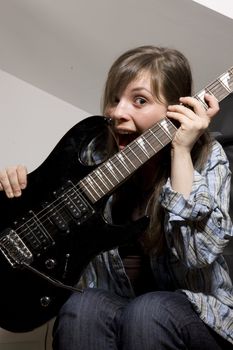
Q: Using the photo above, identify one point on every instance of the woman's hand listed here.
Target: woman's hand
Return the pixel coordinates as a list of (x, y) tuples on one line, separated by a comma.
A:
[(13, 180), (193, 121)]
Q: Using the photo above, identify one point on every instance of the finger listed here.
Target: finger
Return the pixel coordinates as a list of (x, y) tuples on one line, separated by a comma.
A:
[(16, 177), (187, 118), (211, 101), (22, 176), (5, 184), (213, 105), (194, 105), (181, 111)]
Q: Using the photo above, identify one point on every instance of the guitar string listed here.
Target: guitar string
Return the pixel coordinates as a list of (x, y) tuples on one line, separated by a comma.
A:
[(38, 220), (129, 150), (221, 86), (210, 86), (61, 203), (218, 82)]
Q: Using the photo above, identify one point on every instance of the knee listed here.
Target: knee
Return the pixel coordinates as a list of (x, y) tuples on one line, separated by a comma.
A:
[(159, 320), (158, 308), (79, 311), (91, 307), (81, 305), (86, 315)]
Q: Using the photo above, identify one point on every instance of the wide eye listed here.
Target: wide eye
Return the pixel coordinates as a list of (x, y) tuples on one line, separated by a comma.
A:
[(140, 101)]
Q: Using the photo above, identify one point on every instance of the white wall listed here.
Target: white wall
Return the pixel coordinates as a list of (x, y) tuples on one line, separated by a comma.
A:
[(32, 122), (225, 7)]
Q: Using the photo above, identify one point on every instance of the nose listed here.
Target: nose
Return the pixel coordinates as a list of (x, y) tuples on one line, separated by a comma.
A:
[(120, 111)]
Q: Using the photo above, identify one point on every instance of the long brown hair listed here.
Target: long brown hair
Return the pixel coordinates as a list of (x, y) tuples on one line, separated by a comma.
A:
[(171, 78)]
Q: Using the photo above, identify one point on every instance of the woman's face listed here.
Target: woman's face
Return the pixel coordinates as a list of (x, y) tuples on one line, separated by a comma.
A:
[(135, 110)]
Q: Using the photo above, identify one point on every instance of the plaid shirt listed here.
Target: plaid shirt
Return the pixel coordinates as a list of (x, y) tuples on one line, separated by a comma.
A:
[(197, 229)]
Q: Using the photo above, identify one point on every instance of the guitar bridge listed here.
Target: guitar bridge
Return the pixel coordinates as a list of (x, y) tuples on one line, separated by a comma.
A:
[(14, 249)]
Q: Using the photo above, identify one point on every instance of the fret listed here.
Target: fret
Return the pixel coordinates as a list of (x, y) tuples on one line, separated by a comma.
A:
[(96, 181), (112, 171), (152, 143), (123, 154), (106, 169), (167, 129), (100, 174), (224, 79), (200, 97), (123, 163), (141, 145), (224, 91), (87, 186), (156, 139), (111, 164), (108, 176), (139, 161), (150, 139)]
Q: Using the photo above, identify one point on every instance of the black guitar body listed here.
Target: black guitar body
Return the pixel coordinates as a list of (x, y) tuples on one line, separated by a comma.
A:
[(54, 229)]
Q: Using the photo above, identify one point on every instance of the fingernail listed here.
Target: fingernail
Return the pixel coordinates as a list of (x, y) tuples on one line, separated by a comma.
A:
[(17, 193), (10, 194)]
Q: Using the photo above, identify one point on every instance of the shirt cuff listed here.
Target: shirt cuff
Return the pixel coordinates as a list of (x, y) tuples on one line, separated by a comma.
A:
[(198, 205)]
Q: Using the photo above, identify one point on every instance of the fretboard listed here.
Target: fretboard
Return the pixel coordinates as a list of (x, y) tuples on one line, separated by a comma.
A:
[(122, 165), (220, 88)]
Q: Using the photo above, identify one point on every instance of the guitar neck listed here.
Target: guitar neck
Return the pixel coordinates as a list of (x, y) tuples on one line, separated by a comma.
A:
[(118, 168), (220, 88), (122, 165)]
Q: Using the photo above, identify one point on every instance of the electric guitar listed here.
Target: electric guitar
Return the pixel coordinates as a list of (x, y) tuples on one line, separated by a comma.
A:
[(50, 234)]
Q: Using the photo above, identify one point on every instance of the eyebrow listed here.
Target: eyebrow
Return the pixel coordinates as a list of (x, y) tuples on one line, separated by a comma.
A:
[(141, 88)]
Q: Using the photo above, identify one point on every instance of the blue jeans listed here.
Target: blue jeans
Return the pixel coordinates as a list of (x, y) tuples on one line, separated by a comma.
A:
[(99, 320)]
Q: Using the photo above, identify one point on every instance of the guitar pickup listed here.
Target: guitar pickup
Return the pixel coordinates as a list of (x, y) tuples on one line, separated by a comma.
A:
[(14, 249), (75, 205), (57, 216), (74, 202)]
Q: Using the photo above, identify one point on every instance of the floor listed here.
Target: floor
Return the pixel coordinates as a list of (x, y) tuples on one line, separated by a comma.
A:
[(39, 339)]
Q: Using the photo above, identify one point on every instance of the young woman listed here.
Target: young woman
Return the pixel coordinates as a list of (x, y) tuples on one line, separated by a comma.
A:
[(170, 288)]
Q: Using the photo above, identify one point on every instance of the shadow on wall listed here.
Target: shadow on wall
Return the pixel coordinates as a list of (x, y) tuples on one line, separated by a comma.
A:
[(223, 127)]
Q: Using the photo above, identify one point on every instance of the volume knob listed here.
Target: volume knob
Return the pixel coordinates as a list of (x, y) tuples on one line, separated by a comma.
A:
[(45, 301), (50, 264)]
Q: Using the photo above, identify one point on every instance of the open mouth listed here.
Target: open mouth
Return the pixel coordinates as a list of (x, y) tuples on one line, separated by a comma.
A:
[(125, 137)]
